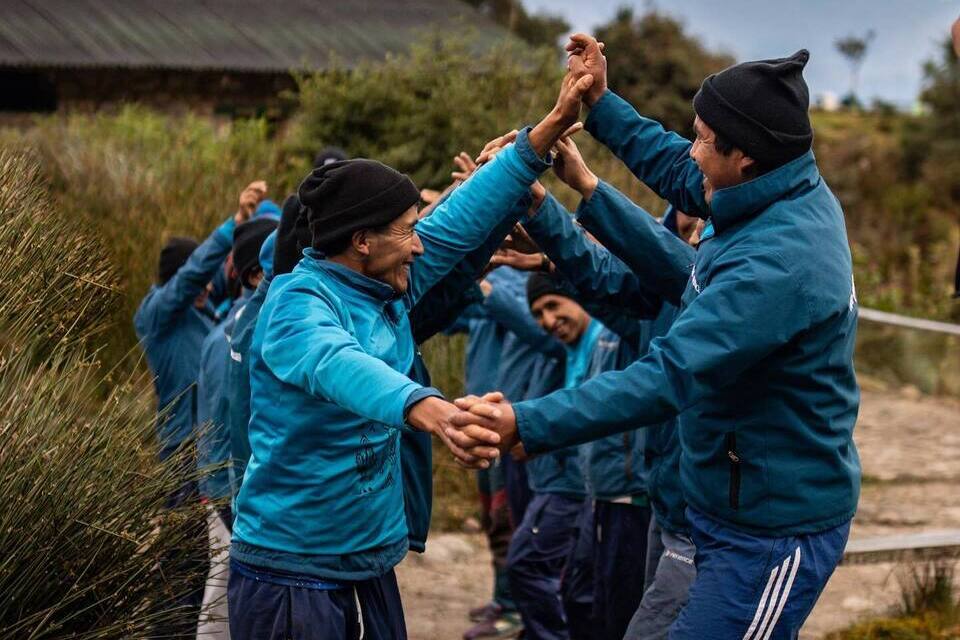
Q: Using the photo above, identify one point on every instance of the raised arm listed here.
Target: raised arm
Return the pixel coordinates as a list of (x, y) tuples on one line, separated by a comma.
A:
[(659, 158), (465, 219), (594, 272), (660, 259)]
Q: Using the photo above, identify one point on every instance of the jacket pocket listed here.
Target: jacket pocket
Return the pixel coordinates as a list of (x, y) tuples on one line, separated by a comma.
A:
[(733, 459)]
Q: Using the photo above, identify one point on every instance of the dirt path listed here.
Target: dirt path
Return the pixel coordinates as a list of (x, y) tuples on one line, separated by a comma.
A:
[(910, 448)]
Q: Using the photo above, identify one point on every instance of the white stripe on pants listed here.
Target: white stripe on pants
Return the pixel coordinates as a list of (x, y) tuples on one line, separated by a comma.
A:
[(213, 624)]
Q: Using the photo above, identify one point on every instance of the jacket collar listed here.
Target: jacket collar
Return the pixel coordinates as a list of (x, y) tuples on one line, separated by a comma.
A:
[(314, 261), (735, 204)]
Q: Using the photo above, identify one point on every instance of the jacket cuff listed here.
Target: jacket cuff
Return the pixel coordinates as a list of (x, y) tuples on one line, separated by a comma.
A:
[(584, 210), (599, 112), (418, 395), (528, 156), (526, 430)]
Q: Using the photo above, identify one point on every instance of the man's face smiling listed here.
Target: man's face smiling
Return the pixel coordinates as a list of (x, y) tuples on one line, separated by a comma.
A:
[(393, 250), (719, 171), (561, 317)]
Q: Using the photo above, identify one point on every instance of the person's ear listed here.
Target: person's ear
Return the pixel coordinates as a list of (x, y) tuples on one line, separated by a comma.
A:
[(747, 166), (361, 242)]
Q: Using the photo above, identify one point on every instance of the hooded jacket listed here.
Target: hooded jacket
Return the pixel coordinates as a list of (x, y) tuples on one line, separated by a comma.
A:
[(759, 363), (171, 331), (329, 393)]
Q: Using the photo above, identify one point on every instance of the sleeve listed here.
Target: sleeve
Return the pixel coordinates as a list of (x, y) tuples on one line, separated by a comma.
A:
[(751, 306), (660, 159), (593, 271), (660, 260), (462, 222), (181, 290), (510, 310), (328, 362)]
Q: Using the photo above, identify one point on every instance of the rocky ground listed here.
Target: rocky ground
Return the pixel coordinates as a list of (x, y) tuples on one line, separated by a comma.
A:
[(910, 448)]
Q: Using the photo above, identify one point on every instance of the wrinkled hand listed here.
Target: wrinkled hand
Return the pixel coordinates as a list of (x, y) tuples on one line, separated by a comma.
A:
[(495, 146), (474, 427), (571, 168), (252, 195), (521, 261), (434, 415), (585, 58)]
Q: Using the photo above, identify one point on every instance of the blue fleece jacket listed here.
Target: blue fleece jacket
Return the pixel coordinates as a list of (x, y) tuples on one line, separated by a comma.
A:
[(760, 361), (328, 366), (171, 331), (213, 441)]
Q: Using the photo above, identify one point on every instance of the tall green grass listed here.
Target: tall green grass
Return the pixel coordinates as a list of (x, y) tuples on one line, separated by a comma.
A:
[(82, 525)]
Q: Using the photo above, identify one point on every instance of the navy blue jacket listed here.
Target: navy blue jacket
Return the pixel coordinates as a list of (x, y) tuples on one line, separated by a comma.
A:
[(760, 361)]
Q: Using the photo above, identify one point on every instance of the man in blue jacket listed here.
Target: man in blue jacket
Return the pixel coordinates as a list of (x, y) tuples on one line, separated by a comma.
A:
[(759, 363), (171, 323), (320, 517), (213, 440)]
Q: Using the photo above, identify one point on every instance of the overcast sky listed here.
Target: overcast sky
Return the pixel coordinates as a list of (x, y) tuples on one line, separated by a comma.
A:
[(907, 32)]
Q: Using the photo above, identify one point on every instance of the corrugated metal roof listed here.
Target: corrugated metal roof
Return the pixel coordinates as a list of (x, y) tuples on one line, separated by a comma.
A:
[(240, 35)]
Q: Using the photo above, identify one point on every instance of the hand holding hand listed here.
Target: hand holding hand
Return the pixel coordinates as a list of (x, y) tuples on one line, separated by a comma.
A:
[(433, 415), (473, 428), (520, 240), (573, 170), (586, 58)]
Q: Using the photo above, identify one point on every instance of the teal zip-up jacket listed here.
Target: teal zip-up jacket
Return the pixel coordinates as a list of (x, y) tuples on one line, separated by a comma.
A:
[(759, 362), (238, 370), (213, 440), (446, 299), (171, 331), (328, 366)]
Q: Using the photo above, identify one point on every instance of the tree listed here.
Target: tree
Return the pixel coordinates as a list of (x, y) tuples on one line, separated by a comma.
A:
[(656, 66), (854, 49), (541, 29)]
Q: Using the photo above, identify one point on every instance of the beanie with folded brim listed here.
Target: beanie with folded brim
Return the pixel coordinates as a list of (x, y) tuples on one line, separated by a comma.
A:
[(351, 195), (173, 256), (248, 238), (761, 107), (544, 284)]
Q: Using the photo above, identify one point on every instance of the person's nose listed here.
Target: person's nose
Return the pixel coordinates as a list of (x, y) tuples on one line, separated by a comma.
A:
[(417, 248)]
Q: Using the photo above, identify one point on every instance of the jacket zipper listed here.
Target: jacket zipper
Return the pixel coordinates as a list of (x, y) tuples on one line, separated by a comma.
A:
[(734, 458)]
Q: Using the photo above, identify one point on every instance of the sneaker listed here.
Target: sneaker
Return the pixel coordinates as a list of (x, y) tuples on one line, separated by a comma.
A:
[(486, 612), (505, 625)]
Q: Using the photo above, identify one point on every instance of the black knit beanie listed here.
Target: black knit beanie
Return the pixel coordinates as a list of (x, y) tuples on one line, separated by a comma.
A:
[(350, 195), (328, 155), (760, 107), (293, 236), (542, 284), (173, 255), (247, 240)]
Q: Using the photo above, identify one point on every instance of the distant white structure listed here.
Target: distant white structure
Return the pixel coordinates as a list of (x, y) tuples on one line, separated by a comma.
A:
[(828, 101)]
